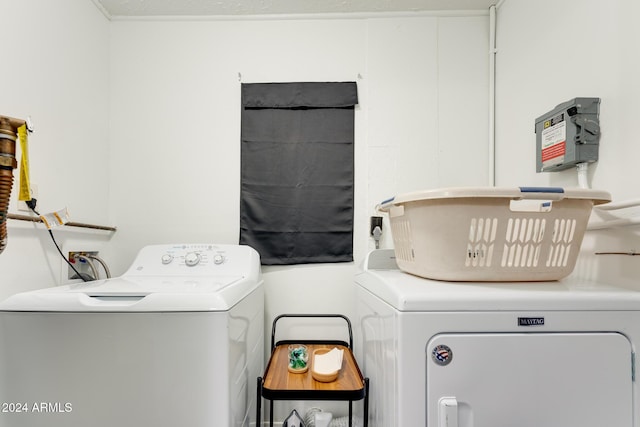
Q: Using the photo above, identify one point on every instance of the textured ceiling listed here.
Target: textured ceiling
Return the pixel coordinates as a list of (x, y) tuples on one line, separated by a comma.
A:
[(114, 8)]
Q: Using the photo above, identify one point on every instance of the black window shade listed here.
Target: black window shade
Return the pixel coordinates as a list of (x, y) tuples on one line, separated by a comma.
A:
[(297, 171)]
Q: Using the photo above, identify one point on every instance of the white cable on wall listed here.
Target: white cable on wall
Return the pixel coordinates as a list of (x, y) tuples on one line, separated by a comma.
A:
[(583, 169), (492, 95)]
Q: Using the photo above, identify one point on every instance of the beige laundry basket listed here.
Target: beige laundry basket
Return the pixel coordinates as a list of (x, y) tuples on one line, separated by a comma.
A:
[(490, 234)]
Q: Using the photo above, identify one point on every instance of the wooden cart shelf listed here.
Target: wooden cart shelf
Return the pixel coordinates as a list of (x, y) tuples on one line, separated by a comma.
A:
[(278, 383)]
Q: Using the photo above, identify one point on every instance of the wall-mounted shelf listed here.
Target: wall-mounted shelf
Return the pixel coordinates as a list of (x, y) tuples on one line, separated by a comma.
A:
[(68, 224), (629, 253)]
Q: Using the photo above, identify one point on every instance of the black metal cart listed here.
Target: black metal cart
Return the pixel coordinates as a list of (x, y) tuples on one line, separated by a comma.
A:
[(277, 383)]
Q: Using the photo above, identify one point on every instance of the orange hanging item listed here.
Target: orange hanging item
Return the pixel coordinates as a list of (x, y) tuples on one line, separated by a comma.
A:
[(8, 136)]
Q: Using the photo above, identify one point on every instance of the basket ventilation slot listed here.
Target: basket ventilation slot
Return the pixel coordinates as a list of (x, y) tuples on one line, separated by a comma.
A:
[(482, 236), (562, 239), (401, 230), (523, 242)]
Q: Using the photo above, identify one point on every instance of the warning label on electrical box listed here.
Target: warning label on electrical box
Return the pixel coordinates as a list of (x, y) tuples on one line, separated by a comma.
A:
[(554, 141)]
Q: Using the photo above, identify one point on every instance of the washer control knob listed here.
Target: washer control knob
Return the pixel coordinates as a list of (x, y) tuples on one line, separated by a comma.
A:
[(192, 258), (167, 258), (218, 259)]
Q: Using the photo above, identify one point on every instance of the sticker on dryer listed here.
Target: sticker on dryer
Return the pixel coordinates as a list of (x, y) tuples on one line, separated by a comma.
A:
[(442, 355)]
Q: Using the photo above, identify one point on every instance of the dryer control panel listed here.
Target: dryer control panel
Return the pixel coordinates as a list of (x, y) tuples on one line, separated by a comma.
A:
[(195, 259)]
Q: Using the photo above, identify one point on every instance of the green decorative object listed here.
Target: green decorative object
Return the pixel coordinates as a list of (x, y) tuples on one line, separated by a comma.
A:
[(298, 358)]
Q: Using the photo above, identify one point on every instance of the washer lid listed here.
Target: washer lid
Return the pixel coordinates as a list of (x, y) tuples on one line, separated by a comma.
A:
[(137, 294)]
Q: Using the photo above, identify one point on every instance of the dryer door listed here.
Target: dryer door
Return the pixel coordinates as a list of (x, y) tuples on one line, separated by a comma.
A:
[(529, 380)]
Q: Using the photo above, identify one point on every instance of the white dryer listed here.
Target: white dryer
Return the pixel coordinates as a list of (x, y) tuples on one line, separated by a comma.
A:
[(539, 354), (178, 340)]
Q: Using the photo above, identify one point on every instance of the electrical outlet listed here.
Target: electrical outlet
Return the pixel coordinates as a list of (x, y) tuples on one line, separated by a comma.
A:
[(22, 206), (83, 265), (376, 221)]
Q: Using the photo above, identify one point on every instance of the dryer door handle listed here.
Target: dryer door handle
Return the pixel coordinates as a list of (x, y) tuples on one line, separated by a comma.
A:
[(448, 412)]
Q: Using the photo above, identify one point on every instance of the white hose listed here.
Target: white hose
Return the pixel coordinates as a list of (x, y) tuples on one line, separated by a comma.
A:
[(583, 181), (619, 205), (102, 263)]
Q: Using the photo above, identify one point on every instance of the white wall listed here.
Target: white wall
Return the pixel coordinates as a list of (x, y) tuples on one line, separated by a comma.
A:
[(550, 52), (56, 70), (137, 122), (175, 125), (138, 126)]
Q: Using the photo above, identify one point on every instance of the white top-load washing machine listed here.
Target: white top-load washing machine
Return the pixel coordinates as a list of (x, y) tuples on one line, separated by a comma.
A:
[(178, 340), (537, 354)]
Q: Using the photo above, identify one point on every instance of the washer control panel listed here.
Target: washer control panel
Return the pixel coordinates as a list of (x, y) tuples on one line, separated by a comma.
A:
[(194, 259)]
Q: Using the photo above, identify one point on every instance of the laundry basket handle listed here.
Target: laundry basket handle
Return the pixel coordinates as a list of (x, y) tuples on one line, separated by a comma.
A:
[(547, 193)]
